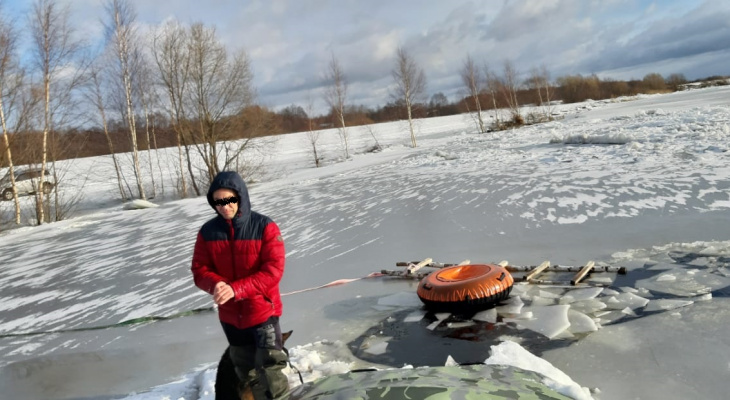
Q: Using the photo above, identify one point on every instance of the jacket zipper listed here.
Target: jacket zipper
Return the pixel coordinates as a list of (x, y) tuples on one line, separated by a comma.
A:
[(231, 243)]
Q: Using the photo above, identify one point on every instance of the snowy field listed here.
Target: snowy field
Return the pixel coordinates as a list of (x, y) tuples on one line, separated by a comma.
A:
[(642, 183)]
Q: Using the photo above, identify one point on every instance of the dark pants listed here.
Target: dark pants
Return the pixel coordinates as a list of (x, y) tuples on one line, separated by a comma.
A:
[(258, 356)]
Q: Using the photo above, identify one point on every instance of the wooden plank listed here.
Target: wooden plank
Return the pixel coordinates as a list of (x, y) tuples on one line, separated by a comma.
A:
[(431, 264), (415, 267), (537, 271), (566, 283), (582, 274), (567, 268), (401, 274)]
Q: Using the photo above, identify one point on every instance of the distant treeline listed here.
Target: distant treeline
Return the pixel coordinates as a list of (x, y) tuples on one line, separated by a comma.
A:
[(567, 89)]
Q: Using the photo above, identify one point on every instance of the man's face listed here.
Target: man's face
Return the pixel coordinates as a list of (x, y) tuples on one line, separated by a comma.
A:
[(229, 210)]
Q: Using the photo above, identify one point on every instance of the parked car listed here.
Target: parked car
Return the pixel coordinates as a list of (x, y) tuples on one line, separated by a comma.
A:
[(27, 181)]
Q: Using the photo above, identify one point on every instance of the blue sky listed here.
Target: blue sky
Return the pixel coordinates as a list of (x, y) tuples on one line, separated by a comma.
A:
[(291, 41)]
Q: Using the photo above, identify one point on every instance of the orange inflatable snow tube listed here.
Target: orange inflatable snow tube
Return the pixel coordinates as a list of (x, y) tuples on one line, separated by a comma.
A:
[(465, 288)]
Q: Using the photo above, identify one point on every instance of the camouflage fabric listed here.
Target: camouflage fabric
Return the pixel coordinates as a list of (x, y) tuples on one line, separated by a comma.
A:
[(467, 382)]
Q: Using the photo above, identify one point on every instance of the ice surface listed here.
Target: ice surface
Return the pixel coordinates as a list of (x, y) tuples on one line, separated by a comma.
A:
[(657, 205), (401, 299)]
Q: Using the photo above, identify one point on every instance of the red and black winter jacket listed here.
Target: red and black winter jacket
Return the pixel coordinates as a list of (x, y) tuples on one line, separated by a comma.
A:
[(247, 252)]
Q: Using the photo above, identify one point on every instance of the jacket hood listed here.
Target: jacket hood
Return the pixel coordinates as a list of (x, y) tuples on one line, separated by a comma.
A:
[(233, 181)]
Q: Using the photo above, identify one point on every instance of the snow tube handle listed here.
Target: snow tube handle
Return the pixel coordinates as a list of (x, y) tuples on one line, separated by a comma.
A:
[(501, 277)]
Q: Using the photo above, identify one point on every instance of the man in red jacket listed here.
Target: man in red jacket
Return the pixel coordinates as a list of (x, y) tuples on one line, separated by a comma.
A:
[(239, 259)]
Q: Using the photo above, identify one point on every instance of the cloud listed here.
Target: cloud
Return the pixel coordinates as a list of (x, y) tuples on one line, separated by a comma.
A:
[(701, 32), (290, 42)]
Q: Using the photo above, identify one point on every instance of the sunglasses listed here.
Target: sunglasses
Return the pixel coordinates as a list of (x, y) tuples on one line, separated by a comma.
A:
[(225, 202)]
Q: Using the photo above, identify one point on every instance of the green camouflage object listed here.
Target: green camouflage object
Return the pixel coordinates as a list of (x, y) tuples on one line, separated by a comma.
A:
[(466, 382)]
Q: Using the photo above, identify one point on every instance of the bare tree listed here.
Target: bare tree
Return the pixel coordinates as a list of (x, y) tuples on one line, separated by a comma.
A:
[(95, 96), (547, 96), (472, 79), (509, 91), (539, 81), (312, 133), (410, 85), (146, 97), (220, 88), (10, 83), (335, 95), (122, 37), (55, 53), (493, 87), (170, 49)]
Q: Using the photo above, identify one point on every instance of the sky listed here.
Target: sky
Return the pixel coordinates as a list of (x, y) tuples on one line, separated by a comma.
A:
[(639, 182), (291, 42)]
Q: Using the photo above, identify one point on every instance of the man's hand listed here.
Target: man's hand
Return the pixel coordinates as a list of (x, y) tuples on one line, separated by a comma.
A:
[(222, 293)]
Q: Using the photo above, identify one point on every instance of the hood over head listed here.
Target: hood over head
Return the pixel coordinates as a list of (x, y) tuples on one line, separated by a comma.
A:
[(233, 181)]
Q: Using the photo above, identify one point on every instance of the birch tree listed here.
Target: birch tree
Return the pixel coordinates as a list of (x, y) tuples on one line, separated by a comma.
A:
[(170, 50), (539, 81), (220, 88), (473, 81), (410, 85), (145, 94), (509, 91), (493, 86), (312, 133), (122, 37), (96, 97), (335, 95), (56, 52), (10, 84)]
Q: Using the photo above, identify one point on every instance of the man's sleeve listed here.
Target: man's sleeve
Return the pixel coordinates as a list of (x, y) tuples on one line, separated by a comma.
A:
[(204, 274)]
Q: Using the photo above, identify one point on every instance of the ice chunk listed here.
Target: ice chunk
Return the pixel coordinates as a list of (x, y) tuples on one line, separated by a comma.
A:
[(541, 301), (548, 294), (667, 304), (686, 283), (580, 294), (631, 300), (415, 316), (463, 324), (511, 353), (377, 346), (442, 316), (704, 297), (518, 289), (520, 317), (486, 316), (666, 278), (513, 305), (624, 300), (601, 279), (433, 325), (581, 323), (611, 317), (588, 306), (548, 320)]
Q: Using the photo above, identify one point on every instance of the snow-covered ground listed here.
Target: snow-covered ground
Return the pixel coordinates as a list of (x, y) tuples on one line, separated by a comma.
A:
[(642, 183)]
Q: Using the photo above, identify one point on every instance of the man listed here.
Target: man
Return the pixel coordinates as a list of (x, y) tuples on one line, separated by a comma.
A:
[(239, 259)]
